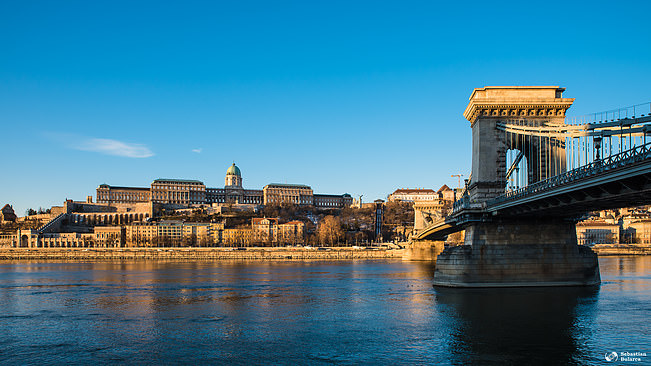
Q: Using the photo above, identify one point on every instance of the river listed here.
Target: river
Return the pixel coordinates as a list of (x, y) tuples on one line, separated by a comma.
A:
[(341, 312)]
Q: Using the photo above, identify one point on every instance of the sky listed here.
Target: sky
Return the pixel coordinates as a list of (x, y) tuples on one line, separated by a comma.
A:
[(345, 96)]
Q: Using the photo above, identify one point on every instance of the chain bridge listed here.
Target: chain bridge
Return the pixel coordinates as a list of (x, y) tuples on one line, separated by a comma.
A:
[(535, 173)]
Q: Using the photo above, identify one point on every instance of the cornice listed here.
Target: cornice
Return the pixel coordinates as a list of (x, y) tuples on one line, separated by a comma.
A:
[(488, 108)]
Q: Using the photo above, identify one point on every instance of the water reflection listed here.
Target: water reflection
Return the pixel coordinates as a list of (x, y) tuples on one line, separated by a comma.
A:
[(515, 325), (351, 312)]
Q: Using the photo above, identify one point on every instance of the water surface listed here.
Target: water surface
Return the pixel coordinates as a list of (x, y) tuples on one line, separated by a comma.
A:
[(344, 312)]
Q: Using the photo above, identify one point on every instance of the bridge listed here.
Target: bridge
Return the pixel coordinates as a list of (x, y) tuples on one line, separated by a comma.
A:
[(535, 173)]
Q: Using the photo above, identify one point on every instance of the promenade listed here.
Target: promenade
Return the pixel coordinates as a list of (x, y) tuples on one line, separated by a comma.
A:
[(336, 253)]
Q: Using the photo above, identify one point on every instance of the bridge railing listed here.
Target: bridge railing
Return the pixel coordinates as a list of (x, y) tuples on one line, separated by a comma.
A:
[(635, 111), (464, 203), (633, 155)]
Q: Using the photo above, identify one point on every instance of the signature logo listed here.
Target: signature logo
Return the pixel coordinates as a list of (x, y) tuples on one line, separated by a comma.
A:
[(611, 356)]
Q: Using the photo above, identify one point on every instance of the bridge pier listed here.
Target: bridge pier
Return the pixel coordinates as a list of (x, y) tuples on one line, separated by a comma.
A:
[(518, 252)]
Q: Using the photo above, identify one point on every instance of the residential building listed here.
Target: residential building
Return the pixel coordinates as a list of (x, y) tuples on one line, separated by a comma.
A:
[(237, 236), (638, 232), (292, 232), (141, 234), (413, 195), (216, 232), (597, 231), (110, 236), (197, 234), (174, 233), (264, 230)]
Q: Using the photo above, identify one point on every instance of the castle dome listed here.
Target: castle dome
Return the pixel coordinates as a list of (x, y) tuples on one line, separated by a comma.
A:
[(234, 170)]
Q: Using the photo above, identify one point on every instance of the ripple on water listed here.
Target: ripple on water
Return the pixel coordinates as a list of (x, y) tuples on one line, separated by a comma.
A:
[(375, 312)]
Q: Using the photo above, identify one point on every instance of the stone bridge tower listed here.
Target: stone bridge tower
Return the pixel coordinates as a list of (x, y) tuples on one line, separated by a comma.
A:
[(526, 106), (503, 250)]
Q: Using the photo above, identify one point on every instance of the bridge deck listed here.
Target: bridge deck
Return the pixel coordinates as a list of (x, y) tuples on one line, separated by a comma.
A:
[(618, 181)]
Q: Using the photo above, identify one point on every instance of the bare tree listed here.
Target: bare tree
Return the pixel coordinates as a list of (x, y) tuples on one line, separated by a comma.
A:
[(329, 230)]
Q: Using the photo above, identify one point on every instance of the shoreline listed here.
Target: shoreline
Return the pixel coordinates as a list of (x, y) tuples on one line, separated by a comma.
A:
[(250, 253), (207, 254), (605, 250)]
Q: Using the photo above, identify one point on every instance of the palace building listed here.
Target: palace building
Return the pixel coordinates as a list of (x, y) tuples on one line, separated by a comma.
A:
[(233, 192), (115, 194), (297, 194), (182, 192), (178, 191)]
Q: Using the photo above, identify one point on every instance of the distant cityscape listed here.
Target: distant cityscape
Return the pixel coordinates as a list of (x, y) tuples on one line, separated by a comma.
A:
[(183, 212), (136, 216)]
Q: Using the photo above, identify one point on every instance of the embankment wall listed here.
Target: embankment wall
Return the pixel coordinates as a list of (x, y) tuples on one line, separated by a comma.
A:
[(195, 254)]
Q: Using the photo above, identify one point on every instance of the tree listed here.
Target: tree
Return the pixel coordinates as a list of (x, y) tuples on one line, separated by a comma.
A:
[(189, 240), (30, 212), (329, 230), (398, 219)]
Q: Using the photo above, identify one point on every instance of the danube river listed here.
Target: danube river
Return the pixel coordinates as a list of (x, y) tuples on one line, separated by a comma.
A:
[(344, 312)]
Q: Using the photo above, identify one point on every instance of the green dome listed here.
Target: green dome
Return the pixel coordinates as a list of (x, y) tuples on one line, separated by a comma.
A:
[(234, 170)]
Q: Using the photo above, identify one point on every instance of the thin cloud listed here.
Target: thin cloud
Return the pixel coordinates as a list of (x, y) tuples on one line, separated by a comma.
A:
[(115, 148), (198, 151)]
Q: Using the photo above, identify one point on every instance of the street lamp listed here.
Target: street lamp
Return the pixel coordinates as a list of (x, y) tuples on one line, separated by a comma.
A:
[(597, 145)]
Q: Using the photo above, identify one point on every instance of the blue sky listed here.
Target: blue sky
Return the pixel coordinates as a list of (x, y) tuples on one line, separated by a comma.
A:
[(356, 97)]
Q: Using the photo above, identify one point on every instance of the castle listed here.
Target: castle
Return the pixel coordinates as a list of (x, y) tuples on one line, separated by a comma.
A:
[(185, 193)]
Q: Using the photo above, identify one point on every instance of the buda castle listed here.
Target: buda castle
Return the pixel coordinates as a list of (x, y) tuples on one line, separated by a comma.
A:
[(185, 193)]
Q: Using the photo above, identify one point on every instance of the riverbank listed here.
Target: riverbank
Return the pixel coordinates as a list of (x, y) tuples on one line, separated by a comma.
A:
[(621, 249), (285, 253), (337, 253)]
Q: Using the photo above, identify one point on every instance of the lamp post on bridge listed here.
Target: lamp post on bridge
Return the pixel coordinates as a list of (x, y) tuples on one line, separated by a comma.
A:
[(597, 145)]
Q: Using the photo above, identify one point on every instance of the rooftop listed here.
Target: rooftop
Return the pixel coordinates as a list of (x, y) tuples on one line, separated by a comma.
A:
[(166, 180), (233, 170), (257, 220), (121, 187), (414, 190), (285, 185), (444, 188), (294, 222)]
